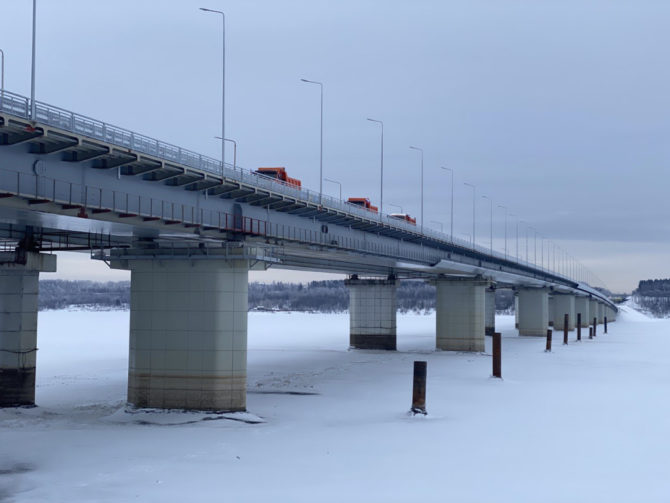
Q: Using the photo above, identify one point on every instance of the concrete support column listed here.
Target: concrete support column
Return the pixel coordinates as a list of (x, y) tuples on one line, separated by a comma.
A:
[(601, 313), (188, 333), (582, 306), (551, 311), (459, 314), (490, 306), (19, 287), (533, 311), (564, 304), (593, 309), (516, 309), (372, 313)]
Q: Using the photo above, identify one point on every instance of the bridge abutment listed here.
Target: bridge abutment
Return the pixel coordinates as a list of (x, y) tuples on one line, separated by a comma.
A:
[(372, 313), (490, 304), (564, 304), (19, 288), (188, 333), (459, 314), (533, 311)]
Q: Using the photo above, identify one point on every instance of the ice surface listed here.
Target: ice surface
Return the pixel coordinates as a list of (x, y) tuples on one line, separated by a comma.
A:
[(587, 422)]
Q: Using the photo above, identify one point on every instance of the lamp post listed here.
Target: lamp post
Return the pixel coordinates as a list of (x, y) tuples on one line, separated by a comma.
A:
[(505, 208), (320, 84), (234, 149), (420, 150), (451, 230), (2, 75), (474, 192), (33, 107), (223, 84), (491, 202), (334, 181), (526, 226), (517, 236), (381, 178)]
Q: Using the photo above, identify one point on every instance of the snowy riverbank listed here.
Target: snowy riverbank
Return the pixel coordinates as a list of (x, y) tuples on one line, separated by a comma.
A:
[(584, 423)]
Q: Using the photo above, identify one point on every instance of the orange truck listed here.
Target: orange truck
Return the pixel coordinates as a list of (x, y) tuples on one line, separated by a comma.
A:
[(363, 202), (279, 174), (403, 216)]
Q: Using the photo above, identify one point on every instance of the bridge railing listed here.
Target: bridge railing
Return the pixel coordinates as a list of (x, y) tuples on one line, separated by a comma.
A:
[(18, 105)]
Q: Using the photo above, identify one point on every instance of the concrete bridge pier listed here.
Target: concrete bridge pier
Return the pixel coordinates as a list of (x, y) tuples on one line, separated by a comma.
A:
[(533, 311), (582, 306), (601, 313), (551, 310), (490, 305), (372, 313), (593, 309), (19, 287), (564, 304), (188, 332), (459, 314)]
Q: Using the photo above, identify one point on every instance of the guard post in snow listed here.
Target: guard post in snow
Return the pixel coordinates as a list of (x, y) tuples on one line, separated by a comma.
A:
[(497, 356), (419, 388), (548, 348), (566, 319)]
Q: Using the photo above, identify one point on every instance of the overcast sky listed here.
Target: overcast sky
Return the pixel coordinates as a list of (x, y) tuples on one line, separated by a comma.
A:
[(558, 110)]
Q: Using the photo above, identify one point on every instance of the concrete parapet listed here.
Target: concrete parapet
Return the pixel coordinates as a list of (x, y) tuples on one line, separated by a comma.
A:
[(188, 333), (19, 288), (564, 304), (533, 311), (459, 314), (372, 313)]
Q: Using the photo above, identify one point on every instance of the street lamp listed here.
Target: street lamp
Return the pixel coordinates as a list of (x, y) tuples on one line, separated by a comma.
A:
[(381, 178), (526, 226), (491, 202), (320, 84), (33, 107), (505, 208), (420, 150), (517, 235), (234, 149), (223, 84), (2, 75), (334, 181), (474, 193), (451, 232)]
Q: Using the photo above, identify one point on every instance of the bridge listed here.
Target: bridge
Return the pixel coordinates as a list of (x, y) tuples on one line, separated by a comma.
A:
[(189, 228)]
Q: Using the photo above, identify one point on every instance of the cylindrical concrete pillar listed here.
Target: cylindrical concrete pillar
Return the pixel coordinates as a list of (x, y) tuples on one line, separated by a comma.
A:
[(593, 309), (564, 304), (533, 311), (582, 306), (372, 313), (188, 334), (19, 286), (601, 313), (490, 306), (551, 311), (459, 314)]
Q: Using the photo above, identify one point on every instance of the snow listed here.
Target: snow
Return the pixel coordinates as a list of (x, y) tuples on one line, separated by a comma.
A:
[(587, 422)]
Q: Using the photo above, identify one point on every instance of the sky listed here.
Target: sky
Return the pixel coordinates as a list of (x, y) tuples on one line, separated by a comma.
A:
[(556, 110)]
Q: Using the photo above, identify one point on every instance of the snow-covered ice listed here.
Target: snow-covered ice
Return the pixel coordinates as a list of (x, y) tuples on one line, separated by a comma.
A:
[(587, 422)]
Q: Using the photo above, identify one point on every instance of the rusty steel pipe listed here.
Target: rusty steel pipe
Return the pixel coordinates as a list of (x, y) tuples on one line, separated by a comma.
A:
[(605, 324), (419, 388), (497, 355), (566, 319), (590, 332), (579, 326), (548, 348), (595, 324)]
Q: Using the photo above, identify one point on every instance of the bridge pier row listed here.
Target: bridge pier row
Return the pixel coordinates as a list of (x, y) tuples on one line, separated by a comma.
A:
[(564, 304), (582, 306), (188, 332), (551, 310), (533, 311), (459, 314), (490, 305), (19, 287), (372, 313), (601, 313)]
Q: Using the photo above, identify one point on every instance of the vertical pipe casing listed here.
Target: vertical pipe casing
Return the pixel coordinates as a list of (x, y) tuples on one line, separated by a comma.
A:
[(497, 355), (548, 348), (419, 388), (579, 326), (565, 328)]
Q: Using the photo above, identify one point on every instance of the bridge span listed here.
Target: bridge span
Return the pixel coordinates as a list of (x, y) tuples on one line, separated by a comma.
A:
[(189, 229)]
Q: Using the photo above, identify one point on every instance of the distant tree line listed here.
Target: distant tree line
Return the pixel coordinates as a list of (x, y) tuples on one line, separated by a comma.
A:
[(321, 296), (653, 296)]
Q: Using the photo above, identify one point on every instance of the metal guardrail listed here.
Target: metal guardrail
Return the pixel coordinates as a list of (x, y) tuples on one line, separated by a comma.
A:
[(18, 105)]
